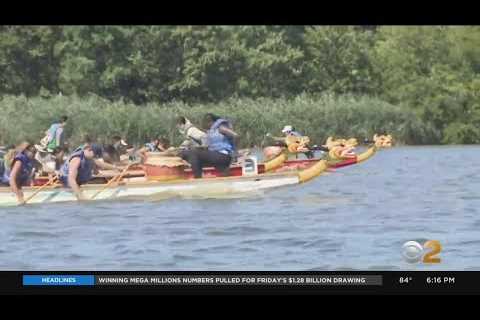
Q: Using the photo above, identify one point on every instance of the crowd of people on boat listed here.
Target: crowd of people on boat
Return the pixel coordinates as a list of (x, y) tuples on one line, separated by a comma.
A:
[(216, 146), (213, 147)]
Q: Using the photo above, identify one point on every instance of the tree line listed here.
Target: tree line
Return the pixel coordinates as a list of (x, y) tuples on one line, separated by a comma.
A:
[(429, 71)]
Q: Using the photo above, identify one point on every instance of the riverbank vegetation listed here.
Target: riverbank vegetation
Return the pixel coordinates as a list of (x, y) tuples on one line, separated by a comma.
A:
[(421, 84)]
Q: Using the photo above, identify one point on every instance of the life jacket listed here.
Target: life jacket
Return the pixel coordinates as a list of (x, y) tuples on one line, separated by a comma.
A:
[(219, 142), (151, 147), (85, 171), (25, 171)]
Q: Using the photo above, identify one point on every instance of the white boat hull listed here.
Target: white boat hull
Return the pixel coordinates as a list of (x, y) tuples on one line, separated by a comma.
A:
[(204, 187)]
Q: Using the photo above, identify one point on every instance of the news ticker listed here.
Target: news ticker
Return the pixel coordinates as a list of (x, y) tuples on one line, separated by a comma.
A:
[(202, 280), (214, 282)]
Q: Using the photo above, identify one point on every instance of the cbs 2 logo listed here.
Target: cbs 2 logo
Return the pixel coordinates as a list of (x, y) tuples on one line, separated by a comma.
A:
[(414, 252)]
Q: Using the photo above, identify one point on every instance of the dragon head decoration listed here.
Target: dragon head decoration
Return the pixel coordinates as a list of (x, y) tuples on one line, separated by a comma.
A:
[(341, 149), (383, 141), (297, 144), (332, 143)]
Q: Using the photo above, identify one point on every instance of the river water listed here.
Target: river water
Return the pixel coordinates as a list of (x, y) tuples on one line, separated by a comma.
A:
[(355, 218)]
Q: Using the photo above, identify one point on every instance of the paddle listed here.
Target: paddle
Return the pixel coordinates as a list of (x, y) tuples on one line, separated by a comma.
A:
[(50, 182), (114, 179)]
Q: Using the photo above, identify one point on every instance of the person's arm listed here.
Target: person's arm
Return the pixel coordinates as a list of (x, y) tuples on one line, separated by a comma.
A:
[(143, 150), (228, 132), (105, 166), (142, 153), (197, 136), (161, 147), (278, 139), (72, 178), (185, 144), (17, 166)]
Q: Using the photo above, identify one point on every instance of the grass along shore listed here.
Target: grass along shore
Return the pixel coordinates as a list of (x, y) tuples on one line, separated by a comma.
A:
[(318, 117)]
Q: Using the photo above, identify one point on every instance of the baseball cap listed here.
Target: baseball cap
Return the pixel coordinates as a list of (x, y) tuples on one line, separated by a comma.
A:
[(287, 129)]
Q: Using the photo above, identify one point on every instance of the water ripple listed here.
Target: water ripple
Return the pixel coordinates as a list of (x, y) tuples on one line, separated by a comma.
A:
[(355, 218)]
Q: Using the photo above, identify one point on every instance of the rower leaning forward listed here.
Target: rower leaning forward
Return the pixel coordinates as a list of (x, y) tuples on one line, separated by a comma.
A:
[(18, 169), (79, 168)]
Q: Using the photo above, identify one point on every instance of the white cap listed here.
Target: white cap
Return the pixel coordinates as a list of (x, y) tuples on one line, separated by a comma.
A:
[(123, 143), (287, 129)]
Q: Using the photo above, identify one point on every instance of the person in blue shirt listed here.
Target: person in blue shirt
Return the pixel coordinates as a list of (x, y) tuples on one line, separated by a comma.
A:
[(18, 171), (159, 144), (220, 148), (79, 167)]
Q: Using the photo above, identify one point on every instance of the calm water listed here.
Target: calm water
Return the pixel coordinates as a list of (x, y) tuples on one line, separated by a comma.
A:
[(355, 218)]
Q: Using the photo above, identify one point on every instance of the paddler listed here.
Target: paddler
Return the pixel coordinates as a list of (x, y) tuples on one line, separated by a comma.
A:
[(79, 167), (120, 145), (50, 162), (156, 145), (159, 144), (18, 169), (194, 137), (3, 150), (289, 131), (220, 147), (113, 152)]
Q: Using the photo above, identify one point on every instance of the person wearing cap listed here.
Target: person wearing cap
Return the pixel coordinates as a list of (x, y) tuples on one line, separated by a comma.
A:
[(290, 131), (112, 152), (18, 171), (119, 144), (79, 167), (287, 131)]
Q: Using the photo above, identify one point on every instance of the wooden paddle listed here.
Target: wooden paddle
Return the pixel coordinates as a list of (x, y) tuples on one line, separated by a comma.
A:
[(50, 182), (114, 179)]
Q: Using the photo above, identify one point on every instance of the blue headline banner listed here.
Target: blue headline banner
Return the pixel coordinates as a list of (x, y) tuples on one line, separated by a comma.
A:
[(58, 280)]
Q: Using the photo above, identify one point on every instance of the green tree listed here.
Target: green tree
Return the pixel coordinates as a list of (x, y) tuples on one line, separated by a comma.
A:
[(337, 59)]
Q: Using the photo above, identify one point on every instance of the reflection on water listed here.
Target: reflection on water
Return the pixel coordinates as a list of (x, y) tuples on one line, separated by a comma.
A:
[(354, 218)]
